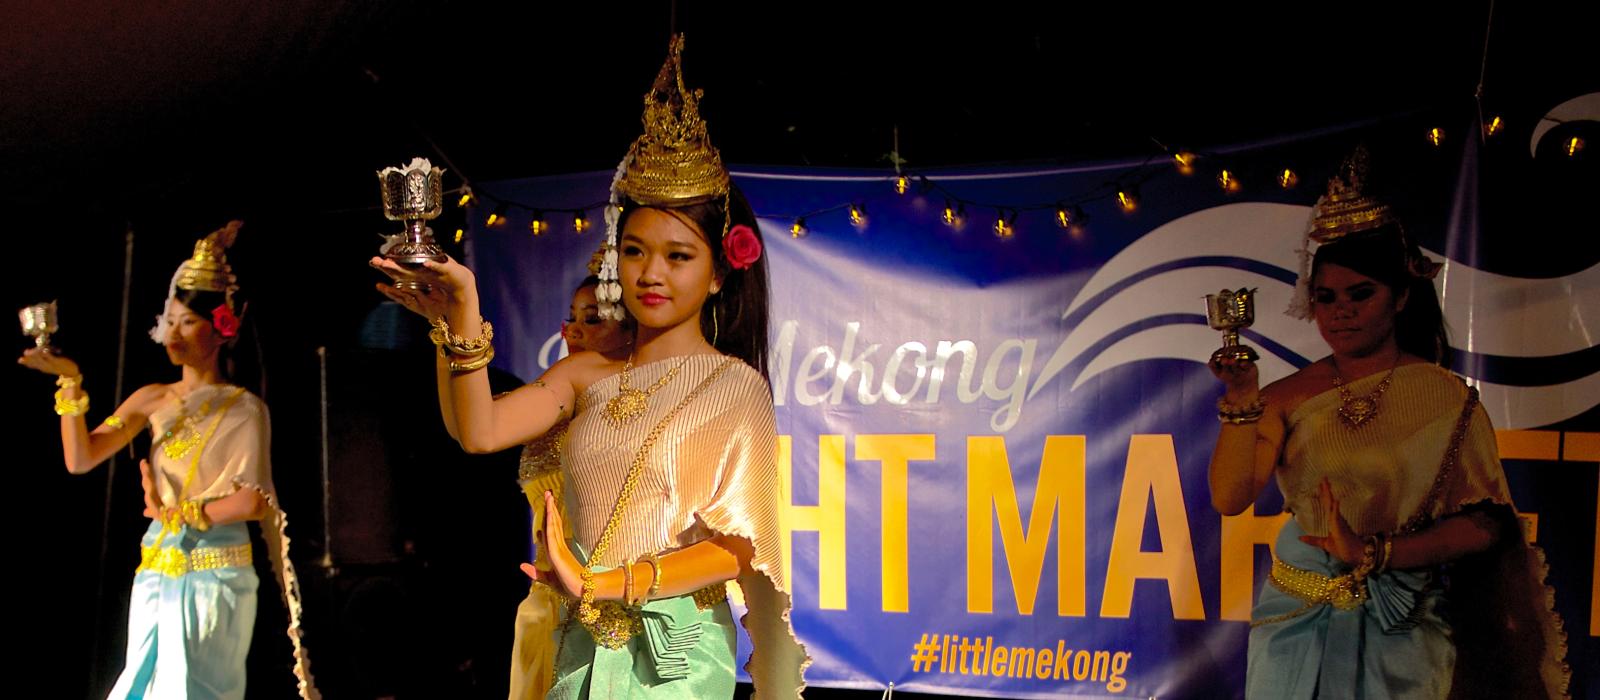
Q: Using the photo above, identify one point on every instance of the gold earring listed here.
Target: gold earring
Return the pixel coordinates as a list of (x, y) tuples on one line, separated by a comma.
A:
[(713, 326)]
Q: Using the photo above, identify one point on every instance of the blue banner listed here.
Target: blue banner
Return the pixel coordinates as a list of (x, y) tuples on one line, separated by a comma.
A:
[(996, 445)]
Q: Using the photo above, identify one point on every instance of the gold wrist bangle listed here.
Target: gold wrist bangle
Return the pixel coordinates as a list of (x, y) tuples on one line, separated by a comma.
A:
[(655, 576), (445, 339), (627, 582), (587, 613), (1240, 415), (1369, 553), (194, 514), (478, 362), (1385, 550), (1239, 418), (71, 407)]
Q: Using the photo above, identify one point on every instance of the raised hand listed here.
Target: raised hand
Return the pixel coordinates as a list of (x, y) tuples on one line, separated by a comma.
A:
[(1341, 541)]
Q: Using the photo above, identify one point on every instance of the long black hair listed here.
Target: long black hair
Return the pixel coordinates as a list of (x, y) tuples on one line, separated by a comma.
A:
[(1386, 255), (734, 319)]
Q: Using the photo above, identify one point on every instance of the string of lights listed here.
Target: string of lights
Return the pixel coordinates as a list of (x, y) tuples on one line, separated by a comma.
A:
[(1069, 208)]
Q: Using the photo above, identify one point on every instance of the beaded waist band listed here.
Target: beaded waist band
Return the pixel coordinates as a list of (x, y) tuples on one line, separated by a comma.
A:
[(174, 562), (1342, 592)]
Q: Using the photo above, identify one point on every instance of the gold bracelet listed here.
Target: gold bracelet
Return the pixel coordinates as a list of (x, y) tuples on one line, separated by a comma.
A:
[(194, 514), (1240, 415), (655, 576), (1368, 564), (478, 362), (627, 582), (115, 422), (587, 612), (444, 338), (71, 407), (1384, 549)]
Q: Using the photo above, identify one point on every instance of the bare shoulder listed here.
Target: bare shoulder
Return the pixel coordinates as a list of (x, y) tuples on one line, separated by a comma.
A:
[(149, 398), (582, 369), (1286, 394)]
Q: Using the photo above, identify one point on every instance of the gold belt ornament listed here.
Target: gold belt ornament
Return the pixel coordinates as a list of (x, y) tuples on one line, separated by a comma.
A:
[(1346, 592), (174, 562), (618, 623)]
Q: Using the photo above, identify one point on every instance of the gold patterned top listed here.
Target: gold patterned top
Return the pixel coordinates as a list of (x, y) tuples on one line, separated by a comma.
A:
[(1381, 471), (543, 454), (713, 471), (539, 470), (1505, 630)]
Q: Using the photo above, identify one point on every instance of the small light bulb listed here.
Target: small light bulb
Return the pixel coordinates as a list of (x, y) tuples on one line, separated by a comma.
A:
[(1128, 200), (858, 215), (1184, 161), (1228, 181), (1002, 227)]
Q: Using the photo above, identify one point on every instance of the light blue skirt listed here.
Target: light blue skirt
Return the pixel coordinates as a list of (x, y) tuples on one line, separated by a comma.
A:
[(1396, 644), (191, 616)]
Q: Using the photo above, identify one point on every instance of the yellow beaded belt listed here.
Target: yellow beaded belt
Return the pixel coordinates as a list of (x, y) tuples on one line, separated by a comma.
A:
[(174, 562), (1314, 589), (619, 623)]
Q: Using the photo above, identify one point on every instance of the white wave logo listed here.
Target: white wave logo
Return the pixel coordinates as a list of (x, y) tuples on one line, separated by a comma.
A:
[(1169, 270)]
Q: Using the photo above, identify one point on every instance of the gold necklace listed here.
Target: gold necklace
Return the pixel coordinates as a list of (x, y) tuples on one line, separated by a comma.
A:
[(1355, 410), (184, 433), (630, 403)]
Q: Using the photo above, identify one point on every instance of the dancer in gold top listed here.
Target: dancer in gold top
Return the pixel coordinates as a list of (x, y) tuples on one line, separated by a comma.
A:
[(1404, 572)]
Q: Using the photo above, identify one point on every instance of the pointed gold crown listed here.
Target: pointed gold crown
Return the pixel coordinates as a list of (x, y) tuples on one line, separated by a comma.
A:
[(673, 163), (1345, 209), (208, 270)]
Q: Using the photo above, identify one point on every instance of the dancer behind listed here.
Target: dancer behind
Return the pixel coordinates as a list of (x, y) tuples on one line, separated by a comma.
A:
[(209, 472), (534, 646), (1404, 572)]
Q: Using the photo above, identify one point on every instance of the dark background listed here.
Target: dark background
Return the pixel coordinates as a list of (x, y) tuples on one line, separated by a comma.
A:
[(164, 120)]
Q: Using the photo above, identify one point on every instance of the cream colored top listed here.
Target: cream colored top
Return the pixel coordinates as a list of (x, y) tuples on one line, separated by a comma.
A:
[(712, 471), (224, 434), (231, 451)]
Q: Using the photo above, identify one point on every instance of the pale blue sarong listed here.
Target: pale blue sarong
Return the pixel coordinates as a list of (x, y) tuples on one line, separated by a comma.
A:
[(1396, 644), (188, 635)]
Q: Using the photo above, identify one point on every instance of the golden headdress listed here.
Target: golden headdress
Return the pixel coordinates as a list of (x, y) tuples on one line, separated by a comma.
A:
[(1347, 211), (672, 164), (207, 270)]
